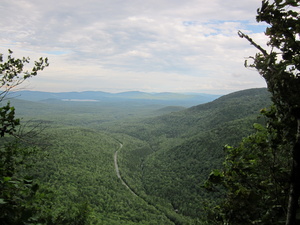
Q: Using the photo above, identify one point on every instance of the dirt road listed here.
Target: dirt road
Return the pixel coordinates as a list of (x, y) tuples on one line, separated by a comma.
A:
[(118, 171)]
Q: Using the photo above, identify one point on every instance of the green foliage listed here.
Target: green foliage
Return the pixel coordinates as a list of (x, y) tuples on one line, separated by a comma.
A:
[(180, 149), (17, 192), (79, 170), (164, 159), (8, 122), (255, 176), (256, 173)]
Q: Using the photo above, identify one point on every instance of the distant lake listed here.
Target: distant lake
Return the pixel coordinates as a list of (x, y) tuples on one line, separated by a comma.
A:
[(80, 100)]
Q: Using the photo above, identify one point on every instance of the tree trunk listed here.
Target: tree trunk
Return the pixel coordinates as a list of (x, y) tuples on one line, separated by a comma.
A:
[(295, 181)]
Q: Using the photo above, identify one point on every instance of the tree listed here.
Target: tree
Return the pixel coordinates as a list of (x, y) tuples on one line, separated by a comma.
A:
[(280, 67), (255, 176), (16, 191), (13, 73)]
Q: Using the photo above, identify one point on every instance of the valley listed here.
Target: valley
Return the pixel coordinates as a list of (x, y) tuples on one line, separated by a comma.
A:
[(134, 161)]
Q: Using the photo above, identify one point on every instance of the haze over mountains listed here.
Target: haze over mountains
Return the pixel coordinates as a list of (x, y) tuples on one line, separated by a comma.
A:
[(165, 98)]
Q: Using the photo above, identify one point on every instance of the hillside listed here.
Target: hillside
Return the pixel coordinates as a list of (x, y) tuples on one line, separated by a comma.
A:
[(167, 152), (184, 146), (192, 121)]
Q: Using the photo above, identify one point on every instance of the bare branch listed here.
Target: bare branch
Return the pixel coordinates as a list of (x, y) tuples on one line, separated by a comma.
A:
[(263, 51)]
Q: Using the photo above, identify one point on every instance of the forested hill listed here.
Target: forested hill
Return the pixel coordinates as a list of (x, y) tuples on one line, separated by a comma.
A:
[(165, 157), (183, 147), (186, 123)]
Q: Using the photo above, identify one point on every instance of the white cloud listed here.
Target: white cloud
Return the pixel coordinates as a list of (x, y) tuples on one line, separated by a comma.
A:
[(166, 45)]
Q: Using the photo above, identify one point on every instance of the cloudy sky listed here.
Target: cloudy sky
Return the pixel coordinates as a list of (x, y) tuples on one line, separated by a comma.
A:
[(129, 45)]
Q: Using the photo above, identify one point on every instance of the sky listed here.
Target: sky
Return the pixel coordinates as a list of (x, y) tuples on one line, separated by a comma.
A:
[(188, 46)]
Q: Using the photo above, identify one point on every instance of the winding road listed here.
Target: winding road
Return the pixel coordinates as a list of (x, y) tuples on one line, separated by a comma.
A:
[(118, 171), (124, 183)]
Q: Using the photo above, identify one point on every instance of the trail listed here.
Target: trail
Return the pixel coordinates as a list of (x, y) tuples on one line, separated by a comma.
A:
[(118, 171)]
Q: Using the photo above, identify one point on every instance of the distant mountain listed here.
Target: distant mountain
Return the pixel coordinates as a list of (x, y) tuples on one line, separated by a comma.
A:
[(170, 109), (166, 98), (44, 96)]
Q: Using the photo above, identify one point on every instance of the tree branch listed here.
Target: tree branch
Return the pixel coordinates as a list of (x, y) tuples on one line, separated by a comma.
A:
[(242, 35)]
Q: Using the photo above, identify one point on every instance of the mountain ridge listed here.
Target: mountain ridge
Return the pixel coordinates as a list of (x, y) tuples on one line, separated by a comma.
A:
[(163, 97)]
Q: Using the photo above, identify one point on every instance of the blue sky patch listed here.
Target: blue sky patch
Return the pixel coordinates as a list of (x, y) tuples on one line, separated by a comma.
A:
[(256, 28)]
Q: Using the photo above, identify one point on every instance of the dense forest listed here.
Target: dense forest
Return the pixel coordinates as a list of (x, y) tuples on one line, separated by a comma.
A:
[(234, 160), (164, 164)]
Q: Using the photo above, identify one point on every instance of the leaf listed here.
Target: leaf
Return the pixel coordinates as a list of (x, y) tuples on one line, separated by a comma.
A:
[(2, 202), (258, 126), (5, 179)]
